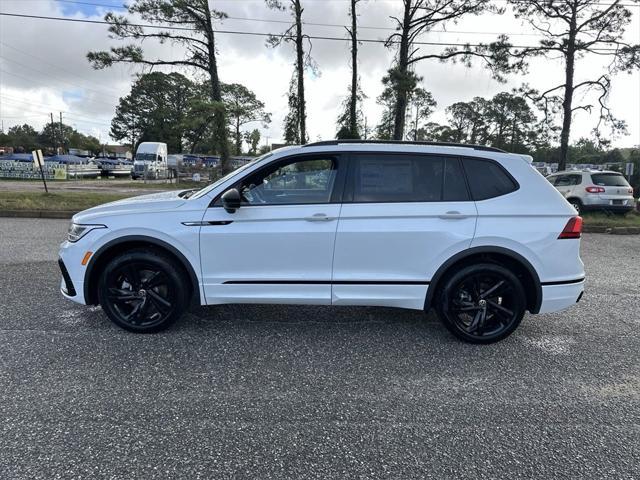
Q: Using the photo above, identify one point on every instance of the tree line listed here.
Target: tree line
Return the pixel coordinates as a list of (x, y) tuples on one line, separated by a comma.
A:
[(25, 138)]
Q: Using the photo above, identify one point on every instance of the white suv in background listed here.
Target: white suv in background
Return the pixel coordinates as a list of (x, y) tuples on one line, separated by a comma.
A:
[(594, 190), (474, 232)]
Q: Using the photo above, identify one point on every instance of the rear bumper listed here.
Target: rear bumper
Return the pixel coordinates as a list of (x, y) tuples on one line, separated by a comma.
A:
[(609, 208), (596, 202), (559, 296)]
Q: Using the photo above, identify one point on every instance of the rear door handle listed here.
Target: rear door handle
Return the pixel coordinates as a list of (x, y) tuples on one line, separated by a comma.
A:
[(319, 217), (453, 215)]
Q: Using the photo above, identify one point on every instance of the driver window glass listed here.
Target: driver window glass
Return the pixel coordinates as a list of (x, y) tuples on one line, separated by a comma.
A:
[(298, 182)]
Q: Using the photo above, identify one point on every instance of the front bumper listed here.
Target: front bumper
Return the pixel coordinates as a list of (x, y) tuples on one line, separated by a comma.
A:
[(560, 296), (70, 263), (67, 287)]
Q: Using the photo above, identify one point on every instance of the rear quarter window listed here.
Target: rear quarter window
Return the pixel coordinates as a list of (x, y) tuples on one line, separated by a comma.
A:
[(609, 180), (487, 179)]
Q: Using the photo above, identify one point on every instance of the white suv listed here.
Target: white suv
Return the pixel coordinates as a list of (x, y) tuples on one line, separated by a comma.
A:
[(594, 190), (474, 232)]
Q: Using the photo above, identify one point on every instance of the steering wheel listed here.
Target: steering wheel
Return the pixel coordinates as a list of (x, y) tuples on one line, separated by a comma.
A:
[(254, 193)]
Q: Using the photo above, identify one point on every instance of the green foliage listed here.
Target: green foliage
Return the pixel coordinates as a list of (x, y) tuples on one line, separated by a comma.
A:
[(25, 138), (171, 108), (292, 134), (253, 139), (505, 121), (242, 107), (154, 110), (420, 103)]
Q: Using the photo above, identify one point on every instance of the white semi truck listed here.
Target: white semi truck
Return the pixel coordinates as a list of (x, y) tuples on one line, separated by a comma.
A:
[(152, 162)]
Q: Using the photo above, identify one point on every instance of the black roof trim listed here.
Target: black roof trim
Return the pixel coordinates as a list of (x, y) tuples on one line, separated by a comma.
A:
[(402, 142)]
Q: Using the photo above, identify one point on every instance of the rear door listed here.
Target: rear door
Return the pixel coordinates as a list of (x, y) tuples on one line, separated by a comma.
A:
[(403, 215)]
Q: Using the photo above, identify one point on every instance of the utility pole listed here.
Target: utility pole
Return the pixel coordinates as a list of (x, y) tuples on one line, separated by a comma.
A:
[(53, 133), (61, 133)]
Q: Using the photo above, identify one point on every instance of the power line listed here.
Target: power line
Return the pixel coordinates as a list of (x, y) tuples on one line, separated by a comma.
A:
[(318, 24), (261, 34), (337, 25)]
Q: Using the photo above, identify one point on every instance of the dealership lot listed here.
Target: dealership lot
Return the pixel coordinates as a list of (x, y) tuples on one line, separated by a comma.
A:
[(297, 392)]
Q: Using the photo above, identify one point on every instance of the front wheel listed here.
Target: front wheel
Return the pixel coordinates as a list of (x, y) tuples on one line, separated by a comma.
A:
[(482, 303), (143, 291)]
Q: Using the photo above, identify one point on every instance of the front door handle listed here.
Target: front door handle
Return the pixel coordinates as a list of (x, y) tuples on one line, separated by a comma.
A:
[(453, 215), (319, 217)]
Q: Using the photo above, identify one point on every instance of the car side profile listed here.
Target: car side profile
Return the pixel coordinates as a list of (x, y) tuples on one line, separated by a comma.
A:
[(590, 190), (473, 232)]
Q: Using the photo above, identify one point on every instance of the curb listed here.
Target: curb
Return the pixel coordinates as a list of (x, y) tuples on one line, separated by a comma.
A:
[(611, 230), (57, 214)]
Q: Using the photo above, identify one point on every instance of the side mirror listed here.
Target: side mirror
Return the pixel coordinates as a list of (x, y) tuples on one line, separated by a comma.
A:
[(231, 200)]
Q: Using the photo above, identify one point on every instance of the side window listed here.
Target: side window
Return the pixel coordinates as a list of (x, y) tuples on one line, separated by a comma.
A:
[(552, 180), (487, 179), (563, 181), (296, 182), (576, 179), (400, 178)]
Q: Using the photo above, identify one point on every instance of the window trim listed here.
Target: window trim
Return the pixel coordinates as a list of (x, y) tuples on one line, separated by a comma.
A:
[(350, 180), (342, 165), (504, 170)]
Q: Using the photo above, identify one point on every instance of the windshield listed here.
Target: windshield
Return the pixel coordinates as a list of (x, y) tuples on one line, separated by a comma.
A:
[(145, 157), (220, 181), (609, 180)]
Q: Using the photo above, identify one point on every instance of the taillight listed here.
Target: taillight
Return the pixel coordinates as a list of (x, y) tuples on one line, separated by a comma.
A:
[(595, 189), (573, 228)]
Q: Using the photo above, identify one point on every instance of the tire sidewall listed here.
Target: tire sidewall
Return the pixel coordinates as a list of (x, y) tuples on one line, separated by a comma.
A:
[(452, 281)]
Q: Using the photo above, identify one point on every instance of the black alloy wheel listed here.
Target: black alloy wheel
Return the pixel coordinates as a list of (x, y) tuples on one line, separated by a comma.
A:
[(143, 291), (482, 303)]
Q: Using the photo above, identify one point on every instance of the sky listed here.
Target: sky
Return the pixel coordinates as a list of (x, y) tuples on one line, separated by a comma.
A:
[(43, 66)]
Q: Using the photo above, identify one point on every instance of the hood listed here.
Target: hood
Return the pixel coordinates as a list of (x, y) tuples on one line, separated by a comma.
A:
[(143, 203)]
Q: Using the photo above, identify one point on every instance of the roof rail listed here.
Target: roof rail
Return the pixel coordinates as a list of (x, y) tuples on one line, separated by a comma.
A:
[(403, 142)]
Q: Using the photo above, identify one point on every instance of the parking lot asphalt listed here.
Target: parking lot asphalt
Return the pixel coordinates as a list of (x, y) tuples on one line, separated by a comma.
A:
[(311, 392)]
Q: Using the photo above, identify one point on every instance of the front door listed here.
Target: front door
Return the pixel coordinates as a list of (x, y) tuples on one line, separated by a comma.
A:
[(278, 246), (403, 216)]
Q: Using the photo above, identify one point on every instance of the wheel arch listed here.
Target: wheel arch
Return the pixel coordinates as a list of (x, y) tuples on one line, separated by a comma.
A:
[(500, 255), (122, 244)]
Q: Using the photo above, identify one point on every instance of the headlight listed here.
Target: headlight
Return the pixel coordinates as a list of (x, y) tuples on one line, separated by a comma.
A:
[(76, 232)]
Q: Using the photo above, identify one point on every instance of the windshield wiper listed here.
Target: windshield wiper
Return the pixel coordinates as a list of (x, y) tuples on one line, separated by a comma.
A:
[(187, 193)]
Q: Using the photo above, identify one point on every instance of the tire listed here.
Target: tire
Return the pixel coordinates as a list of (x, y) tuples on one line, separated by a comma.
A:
[(481, 303), (577, 204), (143, 291)]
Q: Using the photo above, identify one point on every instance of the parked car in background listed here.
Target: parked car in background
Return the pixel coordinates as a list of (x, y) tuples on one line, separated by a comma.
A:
[(590, 190), (472, 231)]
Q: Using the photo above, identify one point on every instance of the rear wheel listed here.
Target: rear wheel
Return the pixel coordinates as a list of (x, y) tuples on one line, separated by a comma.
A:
[(143, 291), (577, 204), (482, 303)]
